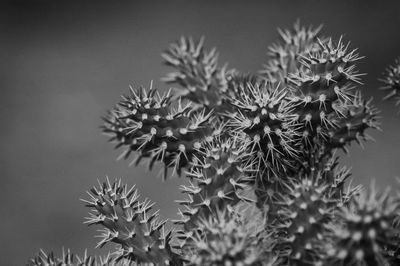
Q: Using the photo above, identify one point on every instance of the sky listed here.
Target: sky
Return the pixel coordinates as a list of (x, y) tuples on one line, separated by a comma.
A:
[(63, 64)]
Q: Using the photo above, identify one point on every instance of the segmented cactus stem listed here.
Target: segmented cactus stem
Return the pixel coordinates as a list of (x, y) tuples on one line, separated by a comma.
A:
[(228, 239), (368, 230), (69, 259), (149, 124), (391, 82), (139, 233), (197, 71)]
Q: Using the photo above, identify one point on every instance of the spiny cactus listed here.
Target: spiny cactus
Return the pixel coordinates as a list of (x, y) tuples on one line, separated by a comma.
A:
[(202, 80), (218, 181), (266, 120), (148, 123), (130, 224), (69, 259), (228, 239), (322, 89), (391, 81), (266, 141), (284, 56), (302, 220), (358, 117), (367, 230)]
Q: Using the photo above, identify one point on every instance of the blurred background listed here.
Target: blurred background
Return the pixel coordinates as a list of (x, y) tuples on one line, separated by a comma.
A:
[(64, 63)]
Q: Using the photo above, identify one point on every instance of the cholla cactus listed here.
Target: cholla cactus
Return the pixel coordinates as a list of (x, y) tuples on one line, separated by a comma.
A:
[(217, 181), (131, 224), (285, 55), (391, 82), (358, 117), (229, 239), (146, 122), (266, 120), (367, 230), (266, 141), (322, 88), (302, 220), (69, 259), (203, 81)]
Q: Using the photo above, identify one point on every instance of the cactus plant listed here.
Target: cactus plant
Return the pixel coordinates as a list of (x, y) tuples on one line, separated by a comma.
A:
[(391, 82), (264, 185), (148, 123)]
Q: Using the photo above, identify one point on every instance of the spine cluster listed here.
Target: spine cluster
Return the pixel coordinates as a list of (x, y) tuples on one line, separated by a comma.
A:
[(69, 259), (369, 235), (391, 82), (229, 239), (131, 224), (217, 181), (197, 72), (148, 123)]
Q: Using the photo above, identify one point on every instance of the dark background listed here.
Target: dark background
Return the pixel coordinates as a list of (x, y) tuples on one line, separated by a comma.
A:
[(63, 64)]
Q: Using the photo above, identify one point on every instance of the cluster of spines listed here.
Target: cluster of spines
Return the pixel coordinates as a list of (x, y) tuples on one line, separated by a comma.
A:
[(197, 71), (324, 87), (148, 123), (69, 259), (358, 117), (367, 230), (324, 169), (267, 123), (131, 224), (284, 56), (218, 180), (391, 81), (301, 221), (228, 239), (314, 162)]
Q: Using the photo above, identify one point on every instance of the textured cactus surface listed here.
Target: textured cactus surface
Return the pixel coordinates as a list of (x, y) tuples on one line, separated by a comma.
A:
[(391, 81), (130, 223), (263, 183)]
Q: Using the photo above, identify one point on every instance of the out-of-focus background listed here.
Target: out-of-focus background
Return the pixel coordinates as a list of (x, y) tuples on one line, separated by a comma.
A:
[(63, 64)]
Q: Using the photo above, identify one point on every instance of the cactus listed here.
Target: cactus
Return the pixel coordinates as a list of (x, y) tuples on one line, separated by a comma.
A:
[(217, 180), (197, 72), (360, 116), (367, 230), (391, 82), (323, 87), (285, 55), (267, 123), (146, 122), (263, 183), (302, 222), (230, 239), (69, 259), (130, 224)]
